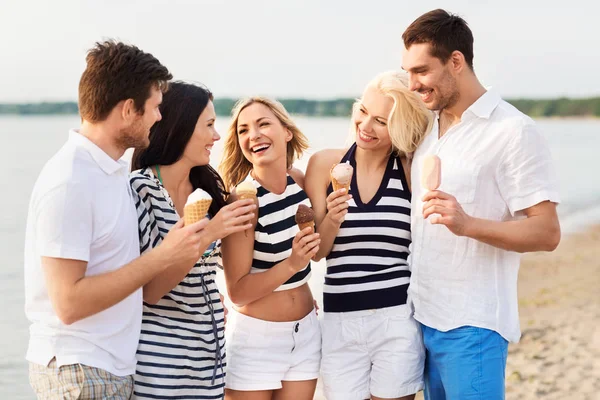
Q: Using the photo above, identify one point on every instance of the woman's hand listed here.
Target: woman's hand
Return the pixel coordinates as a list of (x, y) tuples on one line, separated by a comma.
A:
[(304, 247), (232, 218), (337, 205)]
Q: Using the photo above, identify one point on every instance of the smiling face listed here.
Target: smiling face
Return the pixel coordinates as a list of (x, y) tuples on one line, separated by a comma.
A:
[(261, 136), (430, 77), (136, 133), (198, 149), (370, 119)]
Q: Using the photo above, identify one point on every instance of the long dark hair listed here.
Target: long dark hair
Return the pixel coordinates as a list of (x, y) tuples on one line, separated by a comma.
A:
[(181, 106)]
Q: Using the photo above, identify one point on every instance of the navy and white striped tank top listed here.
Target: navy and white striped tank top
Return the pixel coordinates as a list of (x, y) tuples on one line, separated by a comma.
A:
[(367, 267), (276, 229)]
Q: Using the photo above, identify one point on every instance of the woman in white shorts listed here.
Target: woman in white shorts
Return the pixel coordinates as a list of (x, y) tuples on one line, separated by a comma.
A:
[(274, 338), (372, 346)]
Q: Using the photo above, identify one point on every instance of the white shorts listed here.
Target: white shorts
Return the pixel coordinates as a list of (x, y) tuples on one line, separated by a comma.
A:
[(372, 352), (262, 354)]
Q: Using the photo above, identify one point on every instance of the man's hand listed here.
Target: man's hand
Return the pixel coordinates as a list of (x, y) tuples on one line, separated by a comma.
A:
[(451, 214), (184, 244)]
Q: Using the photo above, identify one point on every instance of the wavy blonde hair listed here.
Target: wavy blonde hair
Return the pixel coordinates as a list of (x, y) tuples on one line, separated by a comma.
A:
[(234, 166), (409, 120)]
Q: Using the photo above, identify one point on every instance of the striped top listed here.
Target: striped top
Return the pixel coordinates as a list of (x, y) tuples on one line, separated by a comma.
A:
[(367, 267), (276, 229), (181, 351)]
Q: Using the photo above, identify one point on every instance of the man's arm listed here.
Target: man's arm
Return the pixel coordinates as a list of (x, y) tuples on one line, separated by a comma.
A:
[(230, 219), (75, 296), (539, 231)]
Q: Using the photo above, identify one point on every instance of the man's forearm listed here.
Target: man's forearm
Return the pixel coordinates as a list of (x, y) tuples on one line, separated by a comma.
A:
[(93, 294), (536, 233)]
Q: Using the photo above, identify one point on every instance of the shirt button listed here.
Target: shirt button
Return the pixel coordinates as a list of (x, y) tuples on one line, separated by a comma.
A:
[(297, 328)]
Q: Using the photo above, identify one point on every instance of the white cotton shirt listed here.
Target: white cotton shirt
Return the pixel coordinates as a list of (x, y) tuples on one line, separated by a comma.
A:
[(496, 163), (81, 208)]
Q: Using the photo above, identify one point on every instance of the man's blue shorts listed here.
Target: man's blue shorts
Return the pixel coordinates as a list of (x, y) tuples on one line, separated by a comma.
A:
[(466, 363)]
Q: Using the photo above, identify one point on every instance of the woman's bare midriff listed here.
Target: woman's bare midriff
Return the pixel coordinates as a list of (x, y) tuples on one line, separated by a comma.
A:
[(282, 306)]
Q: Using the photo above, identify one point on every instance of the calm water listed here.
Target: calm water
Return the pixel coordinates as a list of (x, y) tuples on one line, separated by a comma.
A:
[(29, 141)]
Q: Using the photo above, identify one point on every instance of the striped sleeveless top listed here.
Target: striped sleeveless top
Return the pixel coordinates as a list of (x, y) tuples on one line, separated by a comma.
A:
[(367, 267), (181, 352), (276, 229)]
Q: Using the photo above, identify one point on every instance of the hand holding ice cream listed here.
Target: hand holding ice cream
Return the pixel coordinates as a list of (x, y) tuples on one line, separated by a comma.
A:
[(337, 203), (305, 245)]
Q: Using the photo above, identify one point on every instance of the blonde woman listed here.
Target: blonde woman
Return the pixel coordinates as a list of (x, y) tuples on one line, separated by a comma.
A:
[(372, 346), (274, 344)]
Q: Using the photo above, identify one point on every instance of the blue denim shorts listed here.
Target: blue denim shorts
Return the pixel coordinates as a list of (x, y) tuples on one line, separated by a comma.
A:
[(466, 363)]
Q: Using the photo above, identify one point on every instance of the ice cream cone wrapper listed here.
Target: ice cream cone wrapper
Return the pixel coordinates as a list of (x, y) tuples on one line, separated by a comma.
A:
[(306, 225), (336, 185), (196, 211)]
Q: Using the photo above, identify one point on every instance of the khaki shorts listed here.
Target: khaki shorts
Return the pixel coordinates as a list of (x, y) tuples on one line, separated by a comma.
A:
[(77, 381)]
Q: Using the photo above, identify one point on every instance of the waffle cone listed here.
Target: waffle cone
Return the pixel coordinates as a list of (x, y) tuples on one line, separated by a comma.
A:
[(336, 185), (306, 225), (243, 195), (196, 211)]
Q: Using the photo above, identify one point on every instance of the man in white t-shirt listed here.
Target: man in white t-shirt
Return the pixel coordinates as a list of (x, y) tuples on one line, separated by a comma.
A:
[(497, 198), (83, 270)]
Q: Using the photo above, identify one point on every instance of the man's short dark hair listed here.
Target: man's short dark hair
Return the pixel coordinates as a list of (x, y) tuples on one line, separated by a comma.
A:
[(445, 33), (116, 71)]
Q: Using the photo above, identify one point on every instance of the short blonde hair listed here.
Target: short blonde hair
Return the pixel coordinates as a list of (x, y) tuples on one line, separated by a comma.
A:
[(234, 166), (409, 120)]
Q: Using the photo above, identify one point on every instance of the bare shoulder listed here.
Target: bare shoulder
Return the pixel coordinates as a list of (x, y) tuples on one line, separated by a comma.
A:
[(297, 175), (323, 160)]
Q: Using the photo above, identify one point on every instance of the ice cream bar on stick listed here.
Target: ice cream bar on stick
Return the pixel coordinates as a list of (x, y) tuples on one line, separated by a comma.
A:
[(431, 175), (305, 217), (196, 207), (341, 176)]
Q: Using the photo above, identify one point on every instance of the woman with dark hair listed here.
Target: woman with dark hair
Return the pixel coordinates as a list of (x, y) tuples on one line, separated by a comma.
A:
[(181, 348)]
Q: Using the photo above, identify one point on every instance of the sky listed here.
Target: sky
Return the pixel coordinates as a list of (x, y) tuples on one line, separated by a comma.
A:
[(295, 48)]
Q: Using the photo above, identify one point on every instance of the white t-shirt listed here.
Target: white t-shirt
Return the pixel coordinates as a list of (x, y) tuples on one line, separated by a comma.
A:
[(81, 208), (496, 164)]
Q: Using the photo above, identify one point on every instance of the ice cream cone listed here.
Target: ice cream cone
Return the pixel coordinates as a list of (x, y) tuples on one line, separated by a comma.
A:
[(341, 176), (194, 212), (336, 185), (243, 195), (305, 217), (304, 225)]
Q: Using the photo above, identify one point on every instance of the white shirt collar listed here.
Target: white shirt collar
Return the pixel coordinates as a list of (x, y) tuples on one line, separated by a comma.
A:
[(485, 105), (104, 161), (482, 107)]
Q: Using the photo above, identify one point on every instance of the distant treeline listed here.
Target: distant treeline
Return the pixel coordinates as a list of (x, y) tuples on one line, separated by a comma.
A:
[(563, 107)]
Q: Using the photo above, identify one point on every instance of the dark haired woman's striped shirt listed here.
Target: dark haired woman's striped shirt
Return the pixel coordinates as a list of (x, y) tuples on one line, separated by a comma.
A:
[(181, 353)]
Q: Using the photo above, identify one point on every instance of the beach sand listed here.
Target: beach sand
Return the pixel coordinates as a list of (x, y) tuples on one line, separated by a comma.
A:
[(558, 355)]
